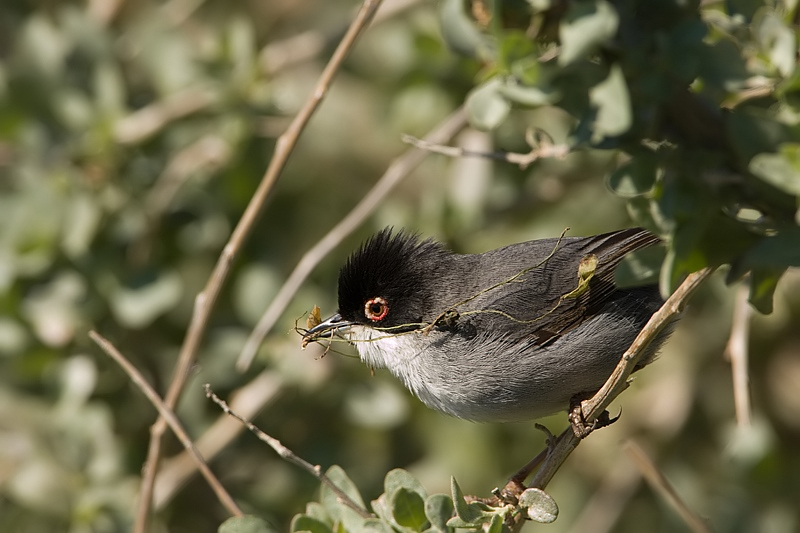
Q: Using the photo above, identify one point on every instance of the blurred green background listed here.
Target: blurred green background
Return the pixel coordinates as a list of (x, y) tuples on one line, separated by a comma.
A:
[(133, 134)]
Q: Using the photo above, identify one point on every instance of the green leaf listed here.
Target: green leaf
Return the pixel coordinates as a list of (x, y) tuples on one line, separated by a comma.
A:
[(613, 103), (399, 478), (762, 288), (773, 253), (496, 525), (473, 513), (781, 170), (374, 525), (751, 134), (776, 39), (382, 508), (460, 32), (514, 46), (585, 27), (316, 510), (540, 506), (408, 509), (246, 524), (439, 509), (338, 511), (640, 268), (636, 177), (302, 522), (486, 106), (533, 96), (138, 306)]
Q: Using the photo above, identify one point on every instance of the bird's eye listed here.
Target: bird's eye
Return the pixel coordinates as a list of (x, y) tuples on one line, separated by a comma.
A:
[(376, 309)]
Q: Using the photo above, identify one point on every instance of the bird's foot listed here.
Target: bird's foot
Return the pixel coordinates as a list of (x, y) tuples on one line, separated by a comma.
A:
[(580, 426)]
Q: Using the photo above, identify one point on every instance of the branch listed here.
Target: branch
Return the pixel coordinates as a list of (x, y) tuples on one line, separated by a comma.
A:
[(206, 299), (399, 169), (278, 55), (661, 485), (247, 400), (594, 406), (289, 455), (541, 147), (168, 415), (618, 381), (736, 350)]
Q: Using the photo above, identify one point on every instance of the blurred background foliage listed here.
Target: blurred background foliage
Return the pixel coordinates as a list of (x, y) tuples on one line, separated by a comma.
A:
[(132, 135)]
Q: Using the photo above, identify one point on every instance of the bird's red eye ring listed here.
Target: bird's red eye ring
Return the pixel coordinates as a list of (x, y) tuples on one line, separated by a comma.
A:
[(376, 309)]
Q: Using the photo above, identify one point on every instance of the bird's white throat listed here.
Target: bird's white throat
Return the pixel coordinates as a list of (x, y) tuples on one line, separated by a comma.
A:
[(382, 349)]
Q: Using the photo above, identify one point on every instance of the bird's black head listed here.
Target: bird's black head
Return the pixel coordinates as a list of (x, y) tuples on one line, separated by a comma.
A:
[(386, 282)]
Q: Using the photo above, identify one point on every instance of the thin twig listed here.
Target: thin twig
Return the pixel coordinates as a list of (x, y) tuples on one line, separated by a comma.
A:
[(399, 169), (601, 512), (278, 55), (168, 415), (289, 455), (248, 400), (149, 120), (661, 485), (541, 148), (204, 302), (617, 382), (736, 351)]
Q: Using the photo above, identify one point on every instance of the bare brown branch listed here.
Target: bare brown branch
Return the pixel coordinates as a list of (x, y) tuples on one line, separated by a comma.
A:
[(616, 383), (540, 148), (174, 424), (736, 351), (662, 486), (399, 169), (289, 455), (248, 400), (204, 302)]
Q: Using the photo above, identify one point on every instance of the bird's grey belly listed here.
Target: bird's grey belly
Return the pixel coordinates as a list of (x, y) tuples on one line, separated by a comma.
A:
[(494, 379)]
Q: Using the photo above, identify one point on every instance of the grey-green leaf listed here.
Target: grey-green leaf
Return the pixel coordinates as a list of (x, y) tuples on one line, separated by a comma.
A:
[(539, 505), (408, 509), (459, 31), (586, 26), (762, 288), (496, 525), (375, 525), (338, 511), (473, 513), (781, 170), (636, 177), (246, 524), (613, 103), (399, 478), (302, 522), (486, 106), (439, 509)]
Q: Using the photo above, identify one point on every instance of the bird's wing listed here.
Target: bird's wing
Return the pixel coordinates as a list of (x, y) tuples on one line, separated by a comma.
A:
[(552, 298)]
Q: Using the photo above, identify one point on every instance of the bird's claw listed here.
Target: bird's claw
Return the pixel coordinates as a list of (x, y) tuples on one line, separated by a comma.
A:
[(581, 427)]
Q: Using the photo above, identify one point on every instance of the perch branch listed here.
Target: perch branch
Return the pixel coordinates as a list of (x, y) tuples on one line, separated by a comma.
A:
[(206, 299), (559, 449), (617, 382)]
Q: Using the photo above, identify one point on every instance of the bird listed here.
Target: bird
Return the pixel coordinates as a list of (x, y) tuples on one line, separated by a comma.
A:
[(511, 334)]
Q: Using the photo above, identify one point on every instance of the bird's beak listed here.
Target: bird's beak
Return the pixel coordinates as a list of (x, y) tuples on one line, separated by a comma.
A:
[(326, 329)]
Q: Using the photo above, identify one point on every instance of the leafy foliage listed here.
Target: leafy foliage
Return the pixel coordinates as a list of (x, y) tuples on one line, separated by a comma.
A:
[(132, 135), (698, 102)]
